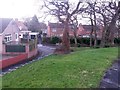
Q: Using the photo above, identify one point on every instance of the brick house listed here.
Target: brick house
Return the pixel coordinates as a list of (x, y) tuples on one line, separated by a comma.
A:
[(56, 29), (84, 31)]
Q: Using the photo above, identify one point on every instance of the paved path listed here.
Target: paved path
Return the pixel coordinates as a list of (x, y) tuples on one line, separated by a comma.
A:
[(111, 78), (44, 51)]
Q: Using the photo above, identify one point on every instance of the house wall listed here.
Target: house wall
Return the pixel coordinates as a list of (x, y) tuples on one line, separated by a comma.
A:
[(11, 29), (48, 31), (59, 32), (0, 44)]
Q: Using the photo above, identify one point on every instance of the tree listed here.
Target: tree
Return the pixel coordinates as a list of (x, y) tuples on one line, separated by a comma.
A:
[(109, 12), (63, 10), (104, 19), (92, 6), (74, 27), (112, 25), (91, 15), (109, 15)]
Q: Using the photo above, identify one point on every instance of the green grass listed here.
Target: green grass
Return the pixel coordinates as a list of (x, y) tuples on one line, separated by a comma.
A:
[(81, 69)]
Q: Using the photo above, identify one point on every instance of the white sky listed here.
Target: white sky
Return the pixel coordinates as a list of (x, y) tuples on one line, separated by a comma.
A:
[(23, 8), (17, 8)]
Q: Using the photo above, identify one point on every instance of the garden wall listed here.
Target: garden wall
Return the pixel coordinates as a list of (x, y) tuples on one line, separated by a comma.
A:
[(13, 60)]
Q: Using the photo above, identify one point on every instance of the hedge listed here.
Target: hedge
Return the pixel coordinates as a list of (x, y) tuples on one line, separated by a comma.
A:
[(81, 41)]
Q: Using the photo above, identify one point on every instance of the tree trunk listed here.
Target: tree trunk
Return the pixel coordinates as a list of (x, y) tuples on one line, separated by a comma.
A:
[(104, 31), (91, 33), (95, 42), (75, 38), (65, 38), (103, 37), (111, 28)]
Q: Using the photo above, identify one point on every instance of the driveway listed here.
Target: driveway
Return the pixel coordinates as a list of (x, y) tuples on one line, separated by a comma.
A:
[(45, 50)]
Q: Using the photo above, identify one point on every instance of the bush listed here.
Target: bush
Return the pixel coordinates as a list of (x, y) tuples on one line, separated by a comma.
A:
[(80, 41), (106, 46), (83, 42), (117, 41), (52, 40), (55, 40)]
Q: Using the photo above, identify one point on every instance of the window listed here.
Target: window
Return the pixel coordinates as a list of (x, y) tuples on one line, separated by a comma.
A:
[(8, 38), (32, 36), (16, 35), (53, 30)]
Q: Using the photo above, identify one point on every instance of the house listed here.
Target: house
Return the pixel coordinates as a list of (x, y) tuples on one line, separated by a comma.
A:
[(9, 32), (22, 29), (85, 30), (43, 27), (12, 44), (56, 29)]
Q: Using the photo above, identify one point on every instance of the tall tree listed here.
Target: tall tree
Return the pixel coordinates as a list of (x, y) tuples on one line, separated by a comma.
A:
[(74, 27), (60, 9), (92, 6), (112, 25), (90, 13), (109, 12)]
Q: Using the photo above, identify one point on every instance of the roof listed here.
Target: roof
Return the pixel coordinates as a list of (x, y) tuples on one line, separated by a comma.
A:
[(42, 25), (21, 25), (89, 27), (56, 25), (4, 23)]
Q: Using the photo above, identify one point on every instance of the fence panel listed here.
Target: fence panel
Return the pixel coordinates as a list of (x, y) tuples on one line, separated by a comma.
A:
[(15, 48)]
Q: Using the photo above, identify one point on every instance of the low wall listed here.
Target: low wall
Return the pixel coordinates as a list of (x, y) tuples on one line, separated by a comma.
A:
[(13, 60), (21, 56)]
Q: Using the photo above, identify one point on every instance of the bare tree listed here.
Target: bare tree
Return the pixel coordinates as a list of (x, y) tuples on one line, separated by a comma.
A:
[(92, 6), (60, 9), (109, 12), (112, 25), (91, 14), (74, 27), (102, 9), (90, 17)]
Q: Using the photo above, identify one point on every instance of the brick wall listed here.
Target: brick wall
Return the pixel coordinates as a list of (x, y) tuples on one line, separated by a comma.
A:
[(13, 60)]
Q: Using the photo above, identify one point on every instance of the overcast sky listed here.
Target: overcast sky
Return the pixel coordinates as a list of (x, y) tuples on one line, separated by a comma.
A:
[(24, 8), (17, 8)]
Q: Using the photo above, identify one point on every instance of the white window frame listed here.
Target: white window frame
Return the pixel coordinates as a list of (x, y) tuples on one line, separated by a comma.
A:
[(9, 38), (54, 30)]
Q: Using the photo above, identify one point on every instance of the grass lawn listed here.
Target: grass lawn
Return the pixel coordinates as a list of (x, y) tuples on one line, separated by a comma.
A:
[(83, 68)]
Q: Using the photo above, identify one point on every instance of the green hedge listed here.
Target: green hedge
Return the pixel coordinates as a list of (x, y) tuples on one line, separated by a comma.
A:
[(81, 41), (52, 40), (117, 41)]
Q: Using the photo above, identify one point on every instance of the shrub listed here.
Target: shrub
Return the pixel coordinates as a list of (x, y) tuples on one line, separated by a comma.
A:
[(117, 41), (55, 40), (51, 40)]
